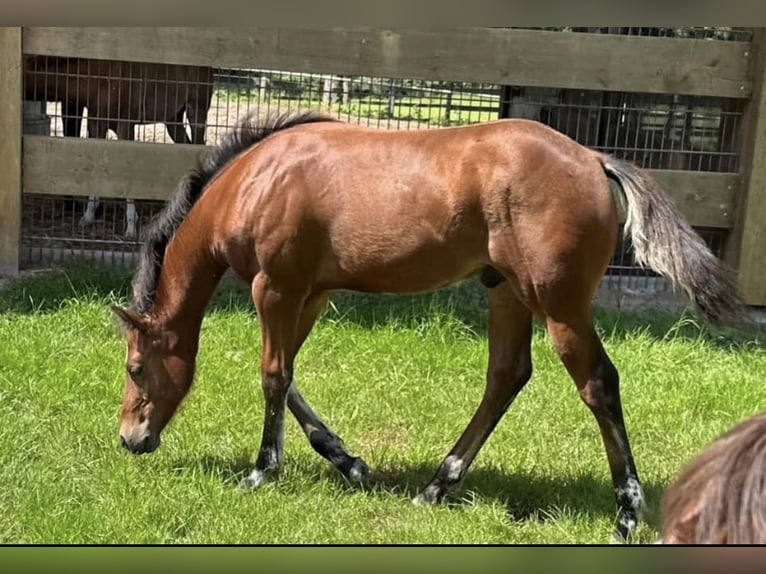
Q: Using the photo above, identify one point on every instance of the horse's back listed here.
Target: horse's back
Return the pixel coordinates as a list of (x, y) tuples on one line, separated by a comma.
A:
[(362, 206)]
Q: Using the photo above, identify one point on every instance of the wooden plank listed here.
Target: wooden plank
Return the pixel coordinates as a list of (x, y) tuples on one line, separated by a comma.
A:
[(746, 249), (115, 169), (82, 167), (10, 150), (706, 199), (494, 55)]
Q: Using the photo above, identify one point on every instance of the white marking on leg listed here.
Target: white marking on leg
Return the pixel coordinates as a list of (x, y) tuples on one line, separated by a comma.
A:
[(454, 467), (356, 474), (633, 492), (90, 211), (256, 478), (632, 488), (131, 218)]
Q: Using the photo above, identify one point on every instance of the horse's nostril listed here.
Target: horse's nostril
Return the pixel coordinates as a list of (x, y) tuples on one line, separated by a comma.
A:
[(123, 442)]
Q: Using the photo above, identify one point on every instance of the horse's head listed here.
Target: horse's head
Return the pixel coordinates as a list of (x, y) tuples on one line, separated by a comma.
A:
[(159, 375)]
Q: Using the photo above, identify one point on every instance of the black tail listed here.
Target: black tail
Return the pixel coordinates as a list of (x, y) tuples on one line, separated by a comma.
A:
[(664, 241)]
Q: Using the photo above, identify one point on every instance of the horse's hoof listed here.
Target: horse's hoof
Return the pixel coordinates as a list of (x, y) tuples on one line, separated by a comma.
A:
[(428, 497), (255, 480), (359, 472)]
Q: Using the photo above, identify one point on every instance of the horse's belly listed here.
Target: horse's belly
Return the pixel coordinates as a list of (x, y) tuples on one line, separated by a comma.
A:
[(424, 267)]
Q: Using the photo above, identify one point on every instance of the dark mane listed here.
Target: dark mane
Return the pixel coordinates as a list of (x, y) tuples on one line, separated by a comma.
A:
[(246, 134)]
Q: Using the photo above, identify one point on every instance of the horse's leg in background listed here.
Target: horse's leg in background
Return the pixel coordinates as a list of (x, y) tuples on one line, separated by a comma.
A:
[(279, 314), (510, 367), (126, 131), (177, 129), (598, 383), (95, 128), (321, 437), (90, 211), (131, 219), (72, 118), (197, 107)]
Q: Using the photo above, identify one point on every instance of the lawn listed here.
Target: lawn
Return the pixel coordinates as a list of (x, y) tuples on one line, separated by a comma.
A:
[(397, 377)]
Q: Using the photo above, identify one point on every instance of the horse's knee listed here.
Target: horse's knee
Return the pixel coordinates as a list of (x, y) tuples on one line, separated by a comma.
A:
[(275, 382), (601, 392)]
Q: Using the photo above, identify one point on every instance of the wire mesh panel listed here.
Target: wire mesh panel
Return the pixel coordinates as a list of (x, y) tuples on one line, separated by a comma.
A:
[(163, 103), (376, 102), (654, 131), (53, 230)]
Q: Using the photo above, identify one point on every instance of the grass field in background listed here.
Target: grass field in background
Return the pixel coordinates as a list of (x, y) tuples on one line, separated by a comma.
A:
[(397, 377), (426, 109)]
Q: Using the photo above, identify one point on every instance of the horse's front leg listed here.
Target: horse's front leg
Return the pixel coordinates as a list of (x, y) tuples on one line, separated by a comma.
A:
[(131, 219), (89, 216), (278, 311)]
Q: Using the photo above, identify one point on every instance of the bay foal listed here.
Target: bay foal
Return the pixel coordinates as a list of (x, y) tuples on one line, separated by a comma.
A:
[(303, 206)]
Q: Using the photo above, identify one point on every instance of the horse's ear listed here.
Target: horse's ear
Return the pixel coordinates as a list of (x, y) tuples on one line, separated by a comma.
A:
[(130, 319)]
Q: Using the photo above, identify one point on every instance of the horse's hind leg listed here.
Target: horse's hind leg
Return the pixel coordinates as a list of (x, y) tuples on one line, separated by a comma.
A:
[(322, 438), (598, 382), (510, 367)]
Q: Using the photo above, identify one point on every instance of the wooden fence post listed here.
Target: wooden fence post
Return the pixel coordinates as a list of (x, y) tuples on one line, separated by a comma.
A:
[(746, 249), (10, 149)]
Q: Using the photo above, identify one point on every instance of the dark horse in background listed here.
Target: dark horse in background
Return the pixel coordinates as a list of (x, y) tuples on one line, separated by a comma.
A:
[(303, 206), (119, 96)]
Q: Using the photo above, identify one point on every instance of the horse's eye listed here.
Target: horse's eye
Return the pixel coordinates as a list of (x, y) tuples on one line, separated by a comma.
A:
[(135, 371)]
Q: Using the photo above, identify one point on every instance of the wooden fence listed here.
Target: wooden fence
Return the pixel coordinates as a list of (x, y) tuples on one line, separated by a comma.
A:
[(81, 167)]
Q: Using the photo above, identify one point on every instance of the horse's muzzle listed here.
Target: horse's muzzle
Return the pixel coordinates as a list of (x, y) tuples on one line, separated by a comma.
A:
[(149, 443)]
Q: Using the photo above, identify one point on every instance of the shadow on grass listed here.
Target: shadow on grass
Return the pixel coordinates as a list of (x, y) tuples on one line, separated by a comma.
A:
[(464, 304), (527, 497)]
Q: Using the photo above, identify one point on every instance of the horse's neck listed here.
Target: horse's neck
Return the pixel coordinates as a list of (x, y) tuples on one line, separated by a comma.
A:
[(190, 274)]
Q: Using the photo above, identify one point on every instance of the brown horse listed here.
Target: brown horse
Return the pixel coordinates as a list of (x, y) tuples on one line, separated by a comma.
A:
[(119, 96), (304, 206)]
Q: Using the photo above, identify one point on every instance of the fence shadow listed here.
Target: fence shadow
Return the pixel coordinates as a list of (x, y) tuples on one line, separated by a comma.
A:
[(465, 304)]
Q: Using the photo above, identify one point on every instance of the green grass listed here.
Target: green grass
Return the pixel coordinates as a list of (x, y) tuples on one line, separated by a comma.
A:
[(398, 379)]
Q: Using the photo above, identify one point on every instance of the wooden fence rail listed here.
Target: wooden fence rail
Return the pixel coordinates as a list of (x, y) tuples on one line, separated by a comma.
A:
[(500, 56)]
